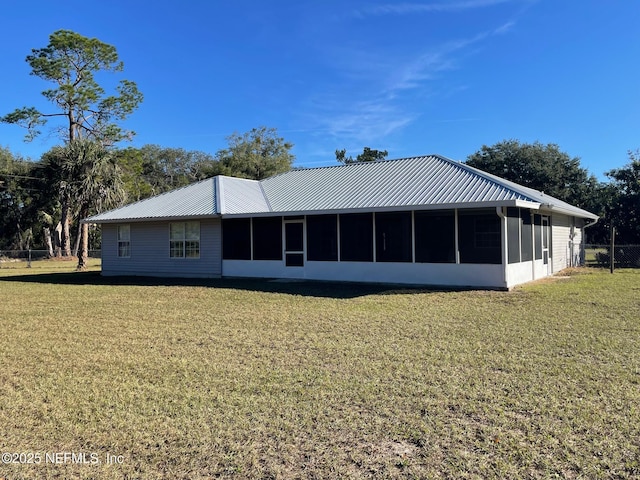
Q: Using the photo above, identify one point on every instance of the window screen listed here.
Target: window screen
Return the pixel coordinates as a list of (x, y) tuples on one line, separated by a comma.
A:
[(293, 237), (479, 237), (393, 237), (356, 237), (236, 239), (526, 237), (435, 237), (294, 260), (267, 238), (537, 233), (513, 234), (322, 238)]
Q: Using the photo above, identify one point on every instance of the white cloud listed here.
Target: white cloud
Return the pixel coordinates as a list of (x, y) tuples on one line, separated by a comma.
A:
[(413, 8), (414, 73), (361, 121), (376, 93)]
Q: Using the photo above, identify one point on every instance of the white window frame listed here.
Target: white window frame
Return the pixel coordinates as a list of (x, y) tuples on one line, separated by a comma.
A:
[(180, 239), (124, 240)]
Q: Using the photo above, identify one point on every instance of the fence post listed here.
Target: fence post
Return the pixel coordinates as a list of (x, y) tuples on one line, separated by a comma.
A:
[(612, 256), (29, 260)]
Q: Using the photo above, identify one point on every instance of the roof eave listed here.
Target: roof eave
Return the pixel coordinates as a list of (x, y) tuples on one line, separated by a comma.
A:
[(94, 221), (572, 212)]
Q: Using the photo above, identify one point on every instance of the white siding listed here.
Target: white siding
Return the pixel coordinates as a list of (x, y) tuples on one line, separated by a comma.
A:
[(567, 235), (578, 241), (150, 251)]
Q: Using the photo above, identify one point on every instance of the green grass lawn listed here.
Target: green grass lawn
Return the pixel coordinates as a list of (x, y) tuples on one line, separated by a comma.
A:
[(248, 379)]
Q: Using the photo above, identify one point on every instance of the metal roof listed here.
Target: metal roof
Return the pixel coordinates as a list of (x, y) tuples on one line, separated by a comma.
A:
[(417, 181), (238, 195), (428, 182), (195, 200)]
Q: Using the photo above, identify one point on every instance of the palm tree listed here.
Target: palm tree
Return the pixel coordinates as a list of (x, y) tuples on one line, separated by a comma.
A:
[(92, 177)]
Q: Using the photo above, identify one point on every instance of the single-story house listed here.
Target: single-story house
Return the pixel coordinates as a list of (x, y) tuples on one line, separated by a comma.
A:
[(423, 220)]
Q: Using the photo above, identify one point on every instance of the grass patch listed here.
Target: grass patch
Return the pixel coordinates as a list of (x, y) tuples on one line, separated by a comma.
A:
[(247, 379)]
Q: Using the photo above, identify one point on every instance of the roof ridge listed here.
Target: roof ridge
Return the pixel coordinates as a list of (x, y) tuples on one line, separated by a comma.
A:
[(218, 194), (351, 164), (264, 195)]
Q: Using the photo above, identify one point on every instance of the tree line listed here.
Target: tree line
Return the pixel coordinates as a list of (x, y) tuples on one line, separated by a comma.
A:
[(43, 201)]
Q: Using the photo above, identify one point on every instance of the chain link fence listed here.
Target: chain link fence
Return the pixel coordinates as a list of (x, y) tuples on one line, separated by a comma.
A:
[(624, 256), (12, 256)]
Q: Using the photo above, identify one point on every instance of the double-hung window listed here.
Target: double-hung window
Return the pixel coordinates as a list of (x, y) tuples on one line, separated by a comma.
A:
[(124, 241), (184, 240)]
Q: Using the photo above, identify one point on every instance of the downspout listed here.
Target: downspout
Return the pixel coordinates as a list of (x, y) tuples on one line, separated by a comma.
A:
[(505, 263)]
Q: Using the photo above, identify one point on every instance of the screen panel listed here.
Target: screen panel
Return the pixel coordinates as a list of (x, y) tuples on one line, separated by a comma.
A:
[(322, 238), (236, 239), (393, 237), (435, 237), (479, 236), (356, 237), (267, 238)]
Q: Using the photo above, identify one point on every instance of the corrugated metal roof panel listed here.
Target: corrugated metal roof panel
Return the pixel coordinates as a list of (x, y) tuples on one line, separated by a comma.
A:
[(239, 195), (429, 180), (197, 199)]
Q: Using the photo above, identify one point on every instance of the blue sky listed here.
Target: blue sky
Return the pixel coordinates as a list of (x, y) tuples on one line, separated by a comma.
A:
[(412, 77)]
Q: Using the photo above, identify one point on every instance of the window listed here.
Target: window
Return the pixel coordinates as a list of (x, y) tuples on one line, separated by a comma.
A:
[(435, 237), (322, 238), (356, 237), (479, 236), (184, 240), (124, 241), (267, 238), (236, 239), (486, 232), (393, 237)]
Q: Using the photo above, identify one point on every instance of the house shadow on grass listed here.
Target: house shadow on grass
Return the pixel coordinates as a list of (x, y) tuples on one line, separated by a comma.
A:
[(309, 288)]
